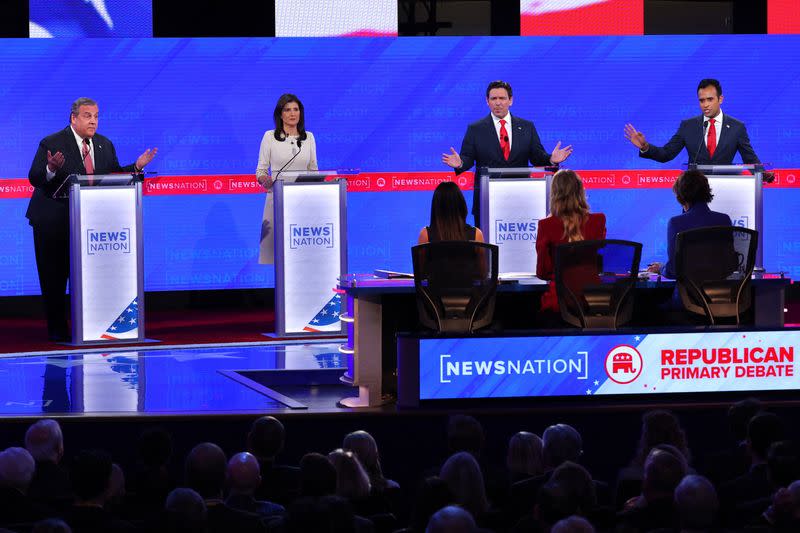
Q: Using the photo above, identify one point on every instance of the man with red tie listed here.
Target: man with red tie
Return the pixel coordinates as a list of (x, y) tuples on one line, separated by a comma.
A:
[(710, 139), (500, 140), (77, 149)]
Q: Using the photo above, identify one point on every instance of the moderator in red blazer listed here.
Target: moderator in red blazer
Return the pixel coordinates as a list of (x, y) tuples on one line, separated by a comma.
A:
[(550, 233)]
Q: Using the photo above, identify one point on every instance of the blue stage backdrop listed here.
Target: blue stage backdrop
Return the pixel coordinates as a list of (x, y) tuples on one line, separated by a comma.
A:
[(379, 104)]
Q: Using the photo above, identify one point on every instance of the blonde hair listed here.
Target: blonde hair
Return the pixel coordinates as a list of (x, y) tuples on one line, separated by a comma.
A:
[(568, 202)]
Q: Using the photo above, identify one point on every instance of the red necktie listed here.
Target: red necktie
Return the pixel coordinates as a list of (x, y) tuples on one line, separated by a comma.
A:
[(711, 142), (87, 160), (504, 146)]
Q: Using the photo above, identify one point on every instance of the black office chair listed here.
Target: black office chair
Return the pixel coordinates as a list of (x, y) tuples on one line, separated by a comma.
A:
[(456, 284), (713, 267), (595, 281)]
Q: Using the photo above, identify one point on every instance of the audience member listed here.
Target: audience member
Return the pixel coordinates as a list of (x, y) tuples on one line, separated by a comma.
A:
[(463, 475), (329, 514), (152, 480), (784, 512), (449, 217), (762, 431), (658, 427), (560, 443), (51, 525), (50, 484), (317, 476), (432, 494), (352, 484), (205, 471), (569, 221), (525, 456), (365, 448), (91, 475), (696, 503), (16, 472), (573, 524), (243, 476), (733, 460), (184, 512), (451, 519), (655, 507), (279, 483)]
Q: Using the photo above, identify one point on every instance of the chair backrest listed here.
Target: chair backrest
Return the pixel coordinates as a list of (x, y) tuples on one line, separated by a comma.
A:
[(713, 266), (595, 281), (456, 284)]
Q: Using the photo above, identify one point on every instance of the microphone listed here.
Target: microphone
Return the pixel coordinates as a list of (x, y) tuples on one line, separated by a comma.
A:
[(697, 153), (299, 148)]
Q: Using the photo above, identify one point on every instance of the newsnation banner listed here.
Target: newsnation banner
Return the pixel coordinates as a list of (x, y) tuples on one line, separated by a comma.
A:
[(583, 365)]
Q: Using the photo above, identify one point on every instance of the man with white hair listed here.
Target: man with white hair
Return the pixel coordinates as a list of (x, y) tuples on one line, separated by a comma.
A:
[(696, 502), (16, 471), (243, 478), (51, 484)]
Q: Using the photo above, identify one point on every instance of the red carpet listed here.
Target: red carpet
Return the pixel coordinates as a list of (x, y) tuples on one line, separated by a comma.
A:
[(183, 326)]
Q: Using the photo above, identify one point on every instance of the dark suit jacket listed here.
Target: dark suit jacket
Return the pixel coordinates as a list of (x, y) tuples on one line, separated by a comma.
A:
[(698, 216), (44, 211), (690, 135), (481, 148)]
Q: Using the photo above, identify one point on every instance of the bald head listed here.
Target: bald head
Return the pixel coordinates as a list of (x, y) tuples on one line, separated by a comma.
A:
[(16, 469), (244, 473), (45, 441)]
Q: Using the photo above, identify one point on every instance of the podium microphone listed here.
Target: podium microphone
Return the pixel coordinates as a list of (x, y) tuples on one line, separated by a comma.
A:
[(299, 148), (697, 153)]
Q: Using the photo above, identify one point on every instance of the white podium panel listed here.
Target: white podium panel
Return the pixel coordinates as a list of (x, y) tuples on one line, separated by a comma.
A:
[(735, 197), (106, 282), (309, 256), (515, 206)]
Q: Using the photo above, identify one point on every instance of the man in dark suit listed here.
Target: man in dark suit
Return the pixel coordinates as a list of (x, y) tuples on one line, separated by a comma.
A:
[(500, 140), (710, 139), (77, 149)]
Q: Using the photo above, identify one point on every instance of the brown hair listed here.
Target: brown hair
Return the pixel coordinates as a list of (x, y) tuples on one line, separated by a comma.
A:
[(568, 202), (448, 212)]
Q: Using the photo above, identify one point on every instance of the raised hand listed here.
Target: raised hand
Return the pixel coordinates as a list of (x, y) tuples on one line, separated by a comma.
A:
[(452, 159), (145, 158), (54, 161), (560, 154), (636, 137)]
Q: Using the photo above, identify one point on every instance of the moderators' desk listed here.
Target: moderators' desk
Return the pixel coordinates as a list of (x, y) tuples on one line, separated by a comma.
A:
[(378, 308)]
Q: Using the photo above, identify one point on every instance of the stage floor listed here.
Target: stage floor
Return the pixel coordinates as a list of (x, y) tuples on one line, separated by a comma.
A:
[(223, 379)]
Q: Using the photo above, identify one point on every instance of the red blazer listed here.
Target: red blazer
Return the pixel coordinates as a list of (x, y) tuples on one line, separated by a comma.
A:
[(550, 233)]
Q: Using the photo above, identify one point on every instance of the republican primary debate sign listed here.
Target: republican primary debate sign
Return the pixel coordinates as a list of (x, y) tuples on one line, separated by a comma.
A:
[(581, 365)]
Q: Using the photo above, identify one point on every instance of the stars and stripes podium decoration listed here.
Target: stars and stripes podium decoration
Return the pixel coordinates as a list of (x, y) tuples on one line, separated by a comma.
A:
[(127, 321), (327, 316)]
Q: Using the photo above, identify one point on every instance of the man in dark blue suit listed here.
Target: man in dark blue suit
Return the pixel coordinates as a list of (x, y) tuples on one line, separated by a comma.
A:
[(710, 139), (500, 140), (77, 149), (694, 194)]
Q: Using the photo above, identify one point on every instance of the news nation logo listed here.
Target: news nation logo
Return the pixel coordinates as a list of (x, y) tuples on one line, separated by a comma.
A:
[(316, 236), (623, 364), (108, 242), (741, 222), (517, 230)]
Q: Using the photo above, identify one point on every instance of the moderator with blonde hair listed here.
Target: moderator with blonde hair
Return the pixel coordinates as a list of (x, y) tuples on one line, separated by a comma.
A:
[(570, 220)]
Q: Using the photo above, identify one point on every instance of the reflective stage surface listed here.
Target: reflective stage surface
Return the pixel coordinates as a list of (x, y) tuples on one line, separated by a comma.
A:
[(174, 380)]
